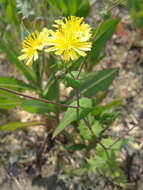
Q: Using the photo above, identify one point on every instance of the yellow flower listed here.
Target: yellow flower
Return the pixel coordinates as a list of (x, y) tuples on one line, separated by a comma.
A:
[(70, 39), (33, 43)]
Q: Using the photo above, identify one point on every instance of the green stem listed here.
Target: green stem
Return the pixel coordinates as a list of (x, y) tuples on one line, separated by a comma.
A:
[(95, 140), (77, 96), (81, 67)]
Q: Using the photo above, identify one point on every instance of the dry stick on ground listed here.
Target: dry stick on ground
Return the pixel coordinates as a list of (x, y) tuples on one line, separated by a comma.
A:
[(38, 99), (10, 175)]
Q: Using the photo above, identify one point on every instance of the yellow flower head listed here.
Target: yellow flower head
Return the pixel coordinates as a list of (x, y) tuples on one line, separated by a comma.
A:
[(70, 39), (33, 43)]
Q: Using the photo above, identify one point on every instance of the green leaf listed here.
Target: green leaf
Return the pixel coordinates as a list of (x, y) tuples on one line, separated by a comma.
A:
[(72, 7), (76, 147), (70, 82), (34, 106), (12, 56), (51, 89), (100, 97), (83, 8), (107, 118), (102, 34), (118, 145), (91, 83), (7, 95), (14, 84), (73, 114), (100, 109), (60, 5), (98, 82), (136, 10), (63, 6), (85, 131), (107, 142), (96, 162), (8, 104), (11, 13), (96, 128), (8, 100), (12, 126)]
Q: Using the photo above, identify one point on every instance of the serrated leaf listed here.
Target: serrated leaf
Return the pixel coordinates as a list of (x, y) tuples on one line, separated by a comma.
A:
[(96, 162), (84, 131), (96, 128), (111, 142), (119, 144)]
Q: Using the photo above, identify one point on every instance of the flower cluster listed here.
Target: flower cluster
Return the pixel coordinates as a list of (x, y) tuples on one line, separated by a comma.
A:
[(70, 39)]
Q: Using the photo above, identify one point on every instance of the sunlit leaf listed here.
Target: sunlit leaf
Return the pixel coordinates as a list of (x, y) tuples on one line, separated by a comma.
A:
[(73, 114)]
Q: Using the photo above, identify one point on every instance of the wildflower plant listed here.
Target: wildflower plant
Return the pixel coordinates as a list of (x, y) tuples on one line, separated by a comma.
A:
[(31, 45), (70, 40), (65, 54)]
